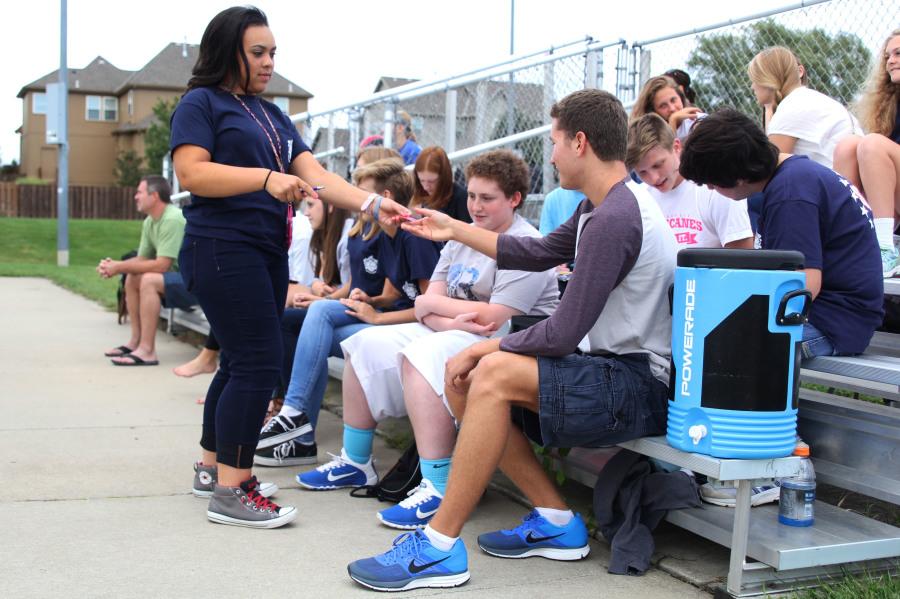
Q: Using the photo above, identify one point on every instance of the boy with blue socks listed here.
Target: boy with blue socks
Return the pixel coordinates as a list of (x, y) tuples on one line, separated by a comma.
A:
[(399, 370), (594, 373)]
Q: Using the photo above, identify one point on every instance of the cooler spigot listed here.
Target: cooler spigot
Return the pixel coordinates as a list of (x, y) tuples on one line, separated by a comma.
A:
[(697, 432)]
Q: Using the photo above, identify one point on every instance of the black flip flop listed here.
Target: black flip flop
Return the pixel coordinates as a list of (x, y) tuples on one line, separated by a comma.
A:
[(123, 350), (135, 361)]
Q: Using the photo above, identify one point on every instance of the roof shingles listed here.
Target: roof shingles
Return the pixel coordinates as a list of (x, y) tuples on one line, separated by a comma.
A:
[(170, 69)]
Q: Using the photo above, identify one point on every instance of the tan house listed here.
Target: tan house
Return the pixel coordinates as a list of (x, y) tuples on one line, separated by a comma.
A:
[(111, 109)]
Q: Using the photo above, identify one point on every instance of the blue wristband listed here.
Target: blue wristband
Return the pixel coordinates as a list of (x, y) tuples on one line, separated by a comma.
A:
[(377, 207)]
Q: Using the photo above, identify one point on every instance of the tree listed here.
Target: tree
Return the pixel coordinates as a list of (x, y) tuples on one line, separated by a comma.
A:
[(835, 64), (9, 172), (156, 140), (128, 169)]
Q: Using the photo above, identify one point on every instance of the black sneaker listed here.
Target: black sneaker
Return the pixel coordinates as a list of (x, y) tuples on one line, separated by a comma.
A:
[(283, 428), (289, 453)]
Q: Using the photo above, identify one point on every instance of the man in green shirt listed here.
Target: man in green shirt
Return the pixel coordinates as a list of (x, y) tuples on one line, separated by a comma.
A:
[(152, 278)]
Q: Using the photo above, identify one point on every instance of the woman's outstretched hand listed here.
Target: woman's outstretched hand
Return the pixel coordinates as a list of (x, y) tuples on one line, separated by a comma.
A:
[(391, 213)]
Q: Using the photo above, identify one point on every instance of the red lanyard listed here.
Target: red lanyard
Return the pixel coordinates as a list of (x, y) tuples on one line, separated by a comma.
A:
[(278, 160)]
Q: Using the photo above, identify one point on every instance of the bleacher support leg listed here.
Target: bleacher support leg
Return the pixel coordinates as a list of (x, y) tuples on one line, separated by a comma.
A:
[(739, 534)]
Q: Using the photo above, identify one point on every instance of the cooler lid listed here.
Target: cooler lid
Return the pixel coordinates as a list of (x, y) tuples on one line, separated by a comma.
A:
[(741, 259)]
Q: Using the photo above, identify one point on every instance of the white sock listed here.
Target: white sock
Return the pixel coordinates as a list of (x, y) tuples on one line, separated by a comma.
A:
[(438, 540), (555, 517), (884, 231), (289, 411)]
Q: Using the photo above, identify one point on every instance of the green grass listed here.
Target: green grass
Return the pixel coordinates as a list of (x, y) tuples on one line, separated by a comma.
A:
[(866, 587), (28, 249)]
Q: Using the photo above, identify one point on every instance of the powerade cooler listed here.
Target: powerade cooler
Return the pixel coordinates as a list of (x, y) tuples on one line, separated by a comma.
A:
[(736, 328)]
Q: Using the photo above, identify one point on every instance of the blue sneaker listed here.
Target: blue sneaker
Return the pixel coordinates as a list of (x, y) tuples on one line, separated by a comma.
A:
[(339, 473), (416, 510), (537, 536), (412, 563)]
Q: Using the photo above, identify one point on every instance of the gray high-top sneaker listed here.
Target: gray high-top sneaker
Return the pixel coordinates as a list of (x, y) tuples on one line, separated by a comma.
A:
[(205, 478), (245, 506)]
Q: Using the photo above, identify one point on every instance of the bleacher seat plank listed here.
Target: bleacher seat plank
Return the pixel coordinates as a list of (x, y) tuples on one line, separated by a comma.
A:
[(838, 536), (855, 444)]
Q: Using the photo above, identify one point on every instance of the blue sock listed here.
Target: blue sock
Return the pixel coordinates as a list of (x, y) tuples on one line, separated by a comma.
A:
[(358, 443), (437, 471)]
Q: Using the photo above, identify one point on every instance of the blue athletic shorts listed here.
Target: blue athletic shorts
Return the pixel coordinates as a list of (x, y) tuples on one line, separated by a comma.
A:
[(175, 294), (597, 401)]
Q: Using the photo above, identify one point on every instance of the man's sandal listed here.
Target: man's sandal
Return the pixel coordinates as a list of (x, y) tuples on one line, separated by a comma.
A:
[(118, 352), (135, 361)]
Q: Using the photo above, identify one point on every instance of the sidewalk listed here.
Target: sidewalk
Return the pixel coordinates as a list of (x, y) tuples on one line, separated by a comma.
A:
[(97, 465)]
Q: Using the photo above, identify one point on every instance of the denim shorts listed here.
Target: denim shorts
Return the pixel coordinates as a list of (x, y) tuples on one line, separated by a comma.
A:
[(597, 401), (815, 343), (175, 292)]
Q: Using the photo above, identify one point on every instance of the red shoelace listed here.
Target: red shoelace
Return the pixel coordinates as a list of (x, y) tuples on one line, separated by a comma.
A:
[(261, 503)]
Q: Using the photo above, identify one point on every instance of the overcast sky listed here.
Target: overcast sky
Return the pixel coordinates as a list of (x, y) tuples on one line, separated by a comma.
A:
[(336, 49)]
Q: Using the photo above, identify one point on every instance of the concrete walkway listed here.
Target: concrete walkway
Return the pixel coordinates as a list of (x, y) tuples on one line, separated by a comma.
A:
[(96, 462)]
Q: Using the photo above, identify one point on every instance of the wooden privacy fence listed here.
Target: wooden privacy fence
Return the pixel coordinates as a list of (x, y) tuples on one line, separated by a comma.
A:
[(85, 201)]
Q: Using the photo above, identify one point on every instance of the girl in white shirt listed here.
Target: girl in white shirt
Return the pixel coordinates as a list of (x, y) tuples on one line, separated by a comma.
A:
[(799, 120)]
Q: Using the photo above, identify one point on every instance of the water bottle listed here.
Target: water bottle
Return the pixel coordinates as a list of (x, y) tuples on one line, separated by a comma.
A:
[(796, 503)]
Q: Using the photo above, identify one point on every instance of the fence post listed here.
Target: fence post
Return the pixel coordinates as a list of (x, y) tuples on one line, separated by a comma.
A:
[(633, 76), (621, 71), (646, 58), (590, 69), (390, 115), (546, 146), (450, 121), (353, 126), (481, 105), (329, 142)]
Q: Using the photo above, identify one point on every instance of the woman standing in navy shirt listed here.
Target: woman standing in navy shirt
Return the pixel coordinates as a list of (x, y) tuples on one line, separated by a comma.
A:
[(244, 164)]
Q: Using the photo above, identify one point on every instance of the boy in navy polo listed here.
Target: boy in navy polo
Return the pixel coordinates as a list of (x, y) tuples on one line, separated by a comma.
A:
[(805, 207)]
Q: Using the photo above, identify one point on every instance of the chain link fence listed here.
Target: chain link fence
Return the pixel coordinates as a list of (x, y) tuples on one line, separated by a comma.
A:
[(836, 40), (503, 101)]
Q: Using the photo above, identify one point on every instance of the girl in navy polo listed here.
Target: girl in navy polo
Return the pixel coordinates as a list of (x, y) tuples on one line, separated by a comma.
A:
[(244, 163)]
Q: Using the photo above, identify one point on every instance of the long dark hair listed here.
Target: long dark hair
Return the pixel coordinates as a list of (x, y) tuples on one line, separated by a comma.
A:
[(324, 242), (222, 43)]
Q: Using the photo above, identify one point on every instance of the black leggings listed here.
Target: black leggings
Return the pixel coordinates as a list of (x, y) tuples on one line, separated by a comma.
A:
[(241, 289)]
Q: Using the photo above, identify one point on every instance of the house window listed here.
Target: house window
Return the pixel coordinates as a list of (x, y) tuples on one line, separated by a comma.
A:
[(283, 103), (101, 108), (39, 103), (131, 102)]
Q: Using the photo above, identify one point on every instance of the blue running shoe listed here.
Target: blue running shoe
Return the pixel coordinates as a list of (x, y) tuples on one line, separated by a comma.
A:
[(538, 537), (416, 510), (412, 563), (339, 473)]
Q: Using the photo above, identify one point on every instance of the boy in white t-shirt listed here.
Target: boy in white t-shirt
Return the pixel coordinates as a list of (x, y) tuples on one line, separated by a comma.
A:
[(699, 217)]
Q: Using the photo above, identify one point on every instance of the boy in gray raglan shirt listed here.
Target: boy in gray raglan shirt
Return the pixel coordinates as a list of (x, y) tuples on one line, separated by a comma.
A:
[(594, 373)]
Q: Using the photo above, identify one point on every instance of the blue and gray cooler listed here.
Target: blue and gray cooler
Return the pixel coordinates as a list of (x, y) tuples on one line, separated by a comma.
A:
[(736, 328)]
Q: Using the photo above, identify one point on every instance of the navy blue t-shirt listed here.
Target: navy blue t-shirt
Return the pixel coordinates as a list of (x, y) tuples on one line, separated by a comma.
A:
[(810, 208), (407, 259), (213, 119), (366, 269)]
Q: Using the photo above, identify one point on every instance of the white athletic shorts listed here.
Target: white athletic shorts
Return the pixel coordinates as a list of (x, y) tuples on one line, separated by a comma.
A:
[(376, 353)]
